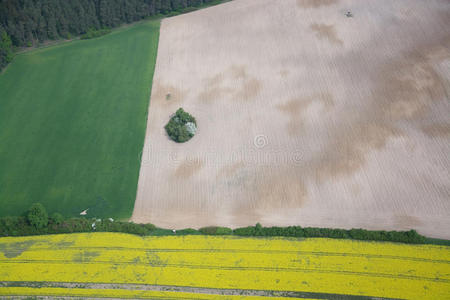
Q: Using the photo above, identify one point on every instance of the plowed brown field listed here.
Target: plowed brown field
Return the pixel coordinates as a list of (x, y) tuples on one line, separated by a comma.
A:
[(305, 116)]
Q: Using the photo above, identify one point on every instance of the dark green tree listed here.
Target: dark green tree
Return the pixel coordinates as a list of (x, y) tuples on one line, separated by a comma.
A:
[(176, 128), (57, 218), (37, 216), (6, 50)]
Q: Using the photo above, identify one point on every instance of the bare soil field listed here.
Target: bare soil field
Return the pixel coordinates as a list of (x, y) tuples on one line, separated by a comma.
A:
[(306, 117)]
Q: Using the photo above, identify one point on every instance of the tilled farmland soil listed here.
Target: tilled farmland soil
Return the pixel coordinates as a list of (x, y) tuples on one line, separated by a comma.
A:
[(306, 117)]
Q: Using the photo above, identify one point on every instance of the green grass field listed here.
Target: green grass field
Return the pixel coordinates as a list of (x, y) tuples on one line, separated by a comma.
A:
[(72, 124)]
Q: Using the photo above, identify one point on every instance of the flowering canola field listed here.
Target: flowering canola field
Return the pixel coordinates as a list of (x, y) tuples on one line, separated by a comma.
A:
[(210, 267)]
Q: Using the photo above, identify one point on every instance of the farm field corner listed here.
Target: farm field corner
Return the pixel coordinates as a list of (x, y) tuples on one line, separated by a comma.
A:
[(123, 265), (73, 121)]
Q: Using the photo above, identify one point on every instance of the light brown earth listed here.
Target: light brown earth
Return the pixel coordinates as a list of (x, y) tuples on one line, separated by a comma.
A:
[(306, 117)]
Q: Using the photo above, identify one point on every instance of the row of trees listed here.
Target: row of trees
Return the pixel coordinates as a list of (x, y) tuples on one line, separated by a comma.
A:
[(27, 22), (37, 221)]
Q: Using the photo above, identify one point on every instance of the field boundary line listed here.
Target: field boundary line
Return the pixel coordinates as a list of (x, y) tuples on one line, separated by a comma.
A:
[(196, 290)]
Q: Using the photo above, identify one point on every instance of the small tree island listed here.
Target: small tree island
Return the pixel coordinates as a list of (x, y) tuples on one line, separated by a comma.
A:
[(181, 127)]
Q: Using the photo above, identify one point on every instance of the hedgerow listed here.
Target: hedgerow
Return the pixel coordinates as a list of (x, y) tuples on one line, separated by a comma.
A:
[(410, 236), (215, 230), (23, 225)]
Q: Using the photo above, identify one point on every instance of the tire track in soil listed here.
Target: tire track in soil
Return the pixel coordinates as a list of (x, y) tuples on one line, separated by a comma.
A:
[(231, 268), (198, 290), (318, 253)]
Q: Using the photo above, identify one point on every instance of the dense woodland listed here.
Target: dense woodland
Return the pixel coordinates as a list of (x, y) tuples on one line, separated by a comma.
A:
[(24, 23)]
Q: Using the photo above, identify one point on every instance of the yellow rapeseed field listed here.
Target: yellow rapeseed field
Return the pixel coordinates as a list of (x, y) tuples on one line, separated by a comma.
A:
[(309, 266)]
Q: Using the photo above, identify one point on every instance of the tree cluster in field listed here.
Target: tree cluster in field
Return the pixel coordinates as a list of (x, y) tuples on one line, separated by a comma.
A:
[(181, 127), (29, 22), (36, 221)]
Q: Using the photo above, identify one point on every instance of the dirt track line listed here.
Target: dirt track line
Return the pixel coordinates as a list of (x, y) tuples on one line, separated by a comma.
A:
[(173, 288), (229, 268), (318, 253), (94, 296)]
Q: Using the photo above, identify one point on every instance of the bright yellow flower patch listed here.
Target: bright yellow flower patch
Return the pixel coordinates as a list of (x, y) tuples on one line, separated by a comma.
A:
[(276, 264)]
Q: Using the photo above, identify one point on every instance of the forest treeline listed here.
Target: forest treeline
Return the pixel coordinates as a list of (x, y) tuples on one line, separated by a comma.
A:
[(24, 23)]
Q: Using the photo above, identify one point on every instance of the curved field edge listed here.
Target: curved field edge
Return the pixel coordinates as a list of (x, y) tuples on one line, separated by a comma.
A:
[(75, 115), (342, 267)]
